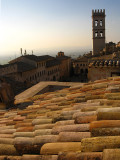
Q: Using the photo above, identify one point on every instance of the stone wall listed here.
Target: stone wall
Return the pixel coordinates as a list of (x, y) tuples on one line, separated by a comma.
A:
[(6, 94), (96, 73)]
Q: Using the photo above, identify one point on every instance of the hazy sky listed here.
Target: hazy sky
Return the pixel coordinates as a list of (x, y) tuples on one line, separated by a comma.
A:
[(54, 24)]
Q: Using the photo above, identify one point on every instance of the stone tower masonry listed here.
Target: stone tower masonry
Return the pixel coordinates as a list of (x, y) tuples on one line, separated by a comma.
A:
[(98, 30)]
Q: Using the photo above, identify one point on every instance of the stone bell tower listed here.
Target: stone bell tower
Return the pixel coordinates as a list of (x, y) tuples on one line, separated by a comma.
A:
[(98, 30)]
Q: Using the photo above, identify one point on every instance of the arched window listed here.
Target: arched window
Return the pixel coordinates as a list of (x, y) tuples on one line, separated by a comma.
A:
[(101, 23), (96, 34), (96, 23), (101, 34)]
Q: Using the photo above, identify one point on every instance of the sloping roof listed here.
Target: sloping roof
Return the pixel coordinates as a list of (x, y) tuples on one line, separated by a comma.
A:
[(80, 122), (38, 58), (53, 62), (23, 67), (33, 58), (4, 66)]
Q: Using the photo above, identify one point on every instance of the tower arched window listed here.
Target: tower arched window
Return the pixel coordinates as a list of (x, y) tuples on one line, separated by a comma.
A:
[(101, 34), (96, 34), (96, 23), (101, 23)]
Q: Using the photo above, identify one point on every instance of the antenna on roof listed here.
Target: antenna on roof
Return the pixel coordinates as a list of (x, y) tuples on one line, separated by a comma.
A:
[(32, 52), (21, 51)]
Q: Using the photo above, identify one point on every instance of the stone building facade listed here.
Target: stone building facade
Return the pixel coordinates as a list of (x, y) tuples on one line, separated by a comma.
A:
[(107, 62), (80, 67), (64, 67), (33, 69), (105, 59), (101, 69), (98, 30)]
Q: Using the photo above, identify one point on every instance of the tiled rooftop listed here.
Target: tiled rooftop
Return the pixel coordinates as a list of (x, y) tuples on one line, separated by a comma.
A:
[(21, 66), (77, 123), (38, 58)]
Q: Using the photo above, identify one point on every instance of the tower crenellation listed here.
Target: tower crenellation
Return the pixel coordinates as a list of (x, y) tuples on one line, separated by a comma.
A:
[(98, 12)]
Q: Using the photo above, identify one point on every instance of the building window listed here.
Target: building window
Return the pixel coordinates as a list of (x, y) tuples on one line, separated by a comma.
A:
[(96, 23), (101, 34), (81, 71), (101, 23), (96, 34)]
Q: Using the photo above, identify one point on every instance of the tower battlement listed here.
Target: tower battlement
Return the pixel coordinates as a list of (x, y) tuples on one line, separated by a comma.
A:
[(98, 12)]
